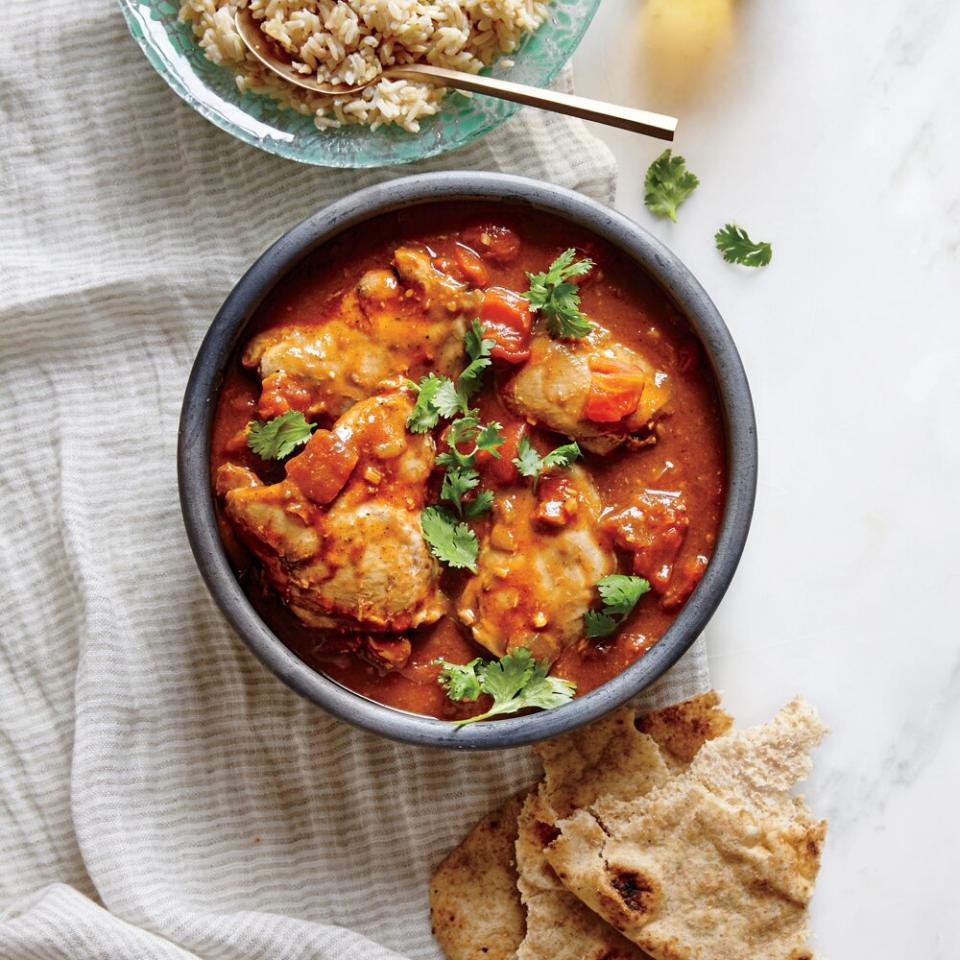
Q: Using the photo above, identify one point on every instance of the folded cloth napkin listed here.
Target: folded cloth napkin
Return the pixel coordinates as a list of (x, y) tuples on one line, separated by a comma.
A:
[(161, 794)]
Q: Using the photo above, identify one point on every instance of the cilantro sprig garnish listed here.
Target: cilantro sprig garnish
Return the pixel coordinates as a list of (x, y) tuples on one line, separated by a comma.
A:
[(469, 430), (620, 594), (450, 540), (457, 483), (424, 416), (668, 183), (278, 438), (460, 680), (737, 247), (554, 295), (515, 682), (478, 350), (529, 463), (461, 475), (439, 396)]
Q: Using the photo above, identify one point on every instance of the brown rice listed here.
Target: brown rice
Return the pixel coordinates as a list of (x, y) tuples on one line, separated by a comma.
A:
[(351, 41)]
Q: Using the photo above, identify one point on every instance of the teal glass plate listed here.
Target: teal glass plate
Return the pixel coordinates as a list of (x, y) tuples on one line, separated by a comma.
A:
[(258, 120)]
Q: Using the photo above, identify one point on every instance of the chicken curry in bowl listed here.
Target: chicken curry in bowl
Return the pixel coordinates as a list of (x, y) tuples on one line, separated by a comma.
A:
[(468, 461)]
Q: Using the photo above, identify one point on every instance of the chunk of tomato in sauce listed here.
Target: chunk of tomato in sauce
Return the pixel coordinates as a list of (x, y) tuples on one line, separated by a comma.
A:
[(684, 581), (615, 390), (471, 265), (495, 241), (653, 529), (324, 466), (282, 392), (557, 501), (506, 319)]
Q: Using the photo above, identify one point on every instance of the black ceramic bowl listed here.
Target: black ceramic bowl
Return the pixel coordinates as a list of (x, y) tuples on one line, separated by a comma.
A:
[(227, 329)]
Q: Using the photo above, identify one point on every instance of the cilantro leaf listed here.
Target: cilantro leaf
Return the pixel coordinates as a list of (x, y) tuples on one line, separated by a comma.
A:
[(474, 343), (461, 476), (529, 463), (424, 415), (737, 247), (597, 624), (515, 682), (440, 397), (278, 438), (668, 184), (620, 594), (463, 430), (552, 294), (447, 400), (457, 483), (450, 541), (561, 456), (478, 350), (564, 316), (489, 438), (503, 679), (549, 692), (479, 505), (460, 680)]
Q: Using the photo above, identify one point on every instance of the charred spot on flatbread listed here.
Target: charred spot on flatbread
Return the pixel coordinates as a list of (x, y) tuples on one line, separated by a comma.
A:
[(637, 892)]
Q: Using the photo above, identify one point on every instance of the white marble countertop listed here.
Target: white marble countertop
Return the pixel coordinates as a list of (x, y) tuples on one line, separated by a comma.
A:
[(832, 131)]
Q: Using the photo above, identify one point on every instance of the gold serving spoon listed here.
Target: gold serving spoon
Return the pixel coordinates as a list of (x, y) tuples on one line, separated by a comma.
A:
[(627, 118)]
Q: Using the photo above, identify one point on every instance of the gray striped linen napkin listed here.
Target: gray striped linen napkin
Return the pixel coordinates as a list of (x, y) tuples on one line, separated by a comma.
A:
[(161, 794)]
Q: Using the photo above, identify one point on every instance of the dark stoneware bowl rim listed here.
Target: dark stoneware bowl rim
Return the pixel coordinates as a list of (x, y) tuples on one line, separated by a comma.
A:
[(224, 333)]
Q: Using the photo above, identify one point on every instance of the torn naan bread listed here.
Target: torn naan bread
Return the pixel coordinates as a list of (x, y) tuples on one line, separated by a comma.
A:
[(622, 756), (559, 926), (681, 729), (609, 758), (716, 862), (475, 907)]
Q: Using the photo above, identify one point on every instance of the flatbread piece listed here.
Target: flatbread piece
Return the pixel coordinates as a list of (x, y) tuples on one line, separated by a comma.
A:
[(714, 863), (610, 758), (475, 907)]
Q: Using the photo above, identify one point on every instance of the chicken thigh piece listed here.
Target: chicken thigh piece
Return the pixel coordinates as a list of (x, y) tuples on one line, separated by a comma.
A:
[(595, 390), (340, 537), (538, 565), (398, 322)]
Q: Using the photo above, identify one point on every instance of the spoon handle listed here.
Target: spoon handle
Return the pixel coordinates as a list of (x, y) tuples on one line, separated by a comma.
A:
[(627, 118)]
